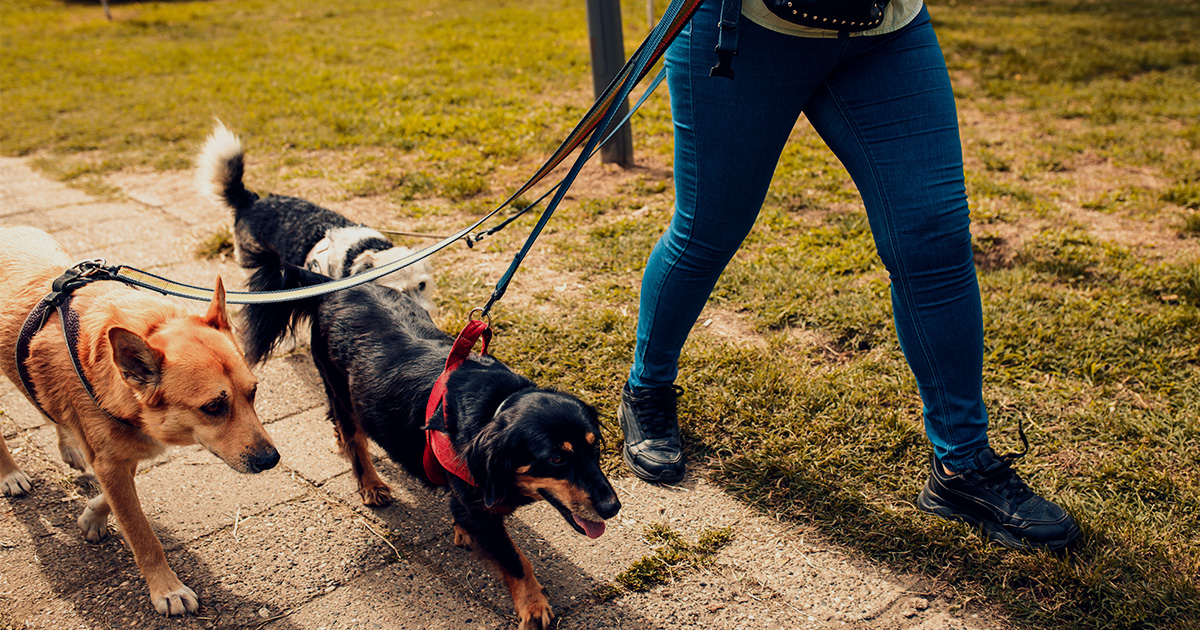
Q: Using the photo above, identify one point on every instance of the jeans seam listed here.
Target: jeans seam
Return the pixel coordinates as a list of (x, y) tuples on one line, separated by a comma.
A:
[(687, 241), (939, 386)]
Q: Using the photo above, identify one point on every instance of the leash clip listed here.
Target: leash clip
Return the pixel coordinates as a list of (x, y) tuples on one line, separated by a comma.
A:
[(483, 315), (724, 67), (91, 267), (79, 274), (727, 39)]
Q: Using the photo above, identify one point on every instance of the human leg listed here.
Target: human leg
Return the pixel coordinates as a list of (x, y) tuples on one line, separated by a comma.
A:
[(888, 113), (728, 138)]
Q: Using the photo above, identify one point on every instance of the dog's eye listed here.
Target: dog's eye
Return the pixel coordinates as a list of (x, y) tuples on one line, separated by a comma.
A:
[(421, 286), (557, 459), (253, 393), (215, 408)]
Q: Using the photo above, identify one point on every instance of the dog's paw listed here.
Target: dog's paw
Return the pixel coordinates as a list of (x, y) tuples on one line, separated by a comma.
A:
[(177, 602), (375, 496), (73, 457), (536, 616), (15, 483), (93, 525), (461, 537)]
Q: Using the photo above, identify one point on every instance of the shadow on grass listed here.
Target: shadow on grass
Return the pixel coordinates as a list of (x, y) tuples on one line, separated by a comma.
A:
[(1098, 585)]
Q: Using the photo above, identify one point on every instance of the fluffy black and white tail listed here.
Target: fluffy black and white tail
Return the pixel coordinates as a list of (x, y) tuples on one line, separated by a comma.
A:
[(219, 170), (266, 325)]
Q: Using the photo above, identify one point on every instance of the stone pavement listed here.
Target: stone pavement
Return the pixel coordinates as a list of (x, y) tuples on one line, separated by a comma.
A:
[(293, 548)]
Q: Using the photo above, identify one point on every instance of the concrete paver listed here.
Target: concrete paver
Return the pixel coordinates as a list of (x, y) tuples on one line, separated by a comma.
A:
[(306, 442), (17, 412), (417, 516), (64, 217), (398, 596), (323, 548), (287, 386), (294, 548), (195, 494), (25, 191)]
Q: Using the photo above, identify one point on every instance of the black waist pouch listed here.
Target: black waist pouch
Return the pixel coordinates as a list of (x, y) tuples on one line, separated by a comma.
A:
[(834, 15)]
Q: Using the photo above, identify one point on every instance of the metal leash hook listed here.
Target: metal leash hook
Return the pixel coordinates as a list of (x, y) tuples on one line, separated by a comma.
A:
[(470, 240), (483, 315), (487, 308), (90, 266), (77, 275)]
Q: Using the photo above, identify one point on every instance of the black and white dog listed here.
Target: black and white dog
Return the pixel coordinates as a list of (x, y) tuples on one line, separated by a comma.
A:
[(379, 354), (301, 232)]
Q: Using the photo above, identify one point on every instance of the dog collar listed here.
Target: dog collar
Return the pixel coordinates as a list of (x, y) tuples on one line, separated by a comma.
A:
[(59, 299)]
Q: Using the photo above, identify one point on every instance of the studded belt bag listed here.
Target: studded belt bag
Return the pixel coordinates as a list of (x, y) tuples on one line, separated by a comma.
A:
[(835, 15)]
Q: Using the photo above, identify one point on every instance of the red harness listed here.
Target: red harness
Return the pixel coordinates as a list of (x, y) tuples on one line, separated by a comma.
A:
[(440, 455)]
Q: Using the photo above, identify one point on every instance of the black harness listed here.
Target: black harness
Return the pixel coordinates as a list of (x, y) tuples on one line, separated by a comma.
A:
[(59, 299)]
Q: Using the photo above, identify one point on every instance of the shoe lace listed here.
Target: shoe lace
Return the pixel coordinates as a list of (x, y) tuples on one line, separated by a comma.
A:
[(656, 412), (1002, 479)]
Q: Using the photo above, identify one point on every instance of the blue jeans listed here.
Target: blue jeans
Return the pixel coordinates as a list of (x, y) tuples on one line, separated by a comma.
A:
[(884, 106)]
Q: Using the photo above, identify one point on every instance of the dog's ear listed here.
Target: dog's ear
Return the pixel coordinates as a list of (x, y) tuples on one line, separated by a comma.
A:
[(140, 365), (495, 462), (217, 316)]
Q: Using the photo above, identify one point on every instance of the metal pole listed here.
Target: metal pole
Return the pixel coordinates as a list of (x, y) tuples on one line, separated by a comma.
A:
[(608, 55)]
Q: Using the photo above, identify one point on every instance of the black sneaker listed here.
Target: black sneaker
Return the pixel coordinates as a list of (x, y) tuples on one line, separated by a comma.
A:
[(993, 497), (651, 426)]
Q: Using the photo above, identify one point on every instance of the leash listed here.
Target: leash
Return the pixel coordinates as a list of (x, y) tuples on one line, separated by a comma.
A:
[(599, 117), (479, 236), (649, 52), (59, 299), (440, 456), (471, 240), (439, 453)]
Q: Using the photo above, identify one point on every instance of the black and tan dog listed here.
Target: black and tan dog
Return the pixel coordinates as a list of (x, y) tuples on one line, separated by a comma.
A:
[(379, 354), (303, 233), (165, 376)]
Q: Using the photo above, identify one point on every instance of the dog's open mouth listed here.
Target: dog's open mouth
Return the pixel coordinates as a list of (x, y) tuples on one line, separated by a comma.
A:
[(589, 528)]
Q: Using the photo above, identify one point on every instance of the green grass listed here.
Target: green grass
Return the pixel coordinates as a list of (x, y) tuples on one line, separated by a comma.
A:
[(217, 245), (673, 556), (1074, 112)]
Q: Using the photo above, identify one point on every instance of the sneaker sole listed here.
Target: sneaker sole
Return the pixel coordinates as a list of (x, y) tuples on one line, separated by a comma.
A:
[(640, 473), (927, 502)]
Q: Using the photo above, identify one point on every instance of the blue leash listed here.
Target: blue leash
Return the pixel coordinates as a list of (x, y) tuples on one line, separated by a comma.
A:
[(647, 54), (658, 78)]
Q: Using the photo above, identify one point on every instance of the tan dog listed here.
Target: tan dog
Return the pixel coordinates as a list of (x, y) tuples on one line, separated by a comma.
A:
[(179, 378)]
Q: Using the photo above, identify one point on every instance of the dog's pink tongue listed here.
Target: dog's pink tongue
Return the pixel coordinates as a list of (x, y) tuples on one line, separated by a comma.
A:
[(593, 528)]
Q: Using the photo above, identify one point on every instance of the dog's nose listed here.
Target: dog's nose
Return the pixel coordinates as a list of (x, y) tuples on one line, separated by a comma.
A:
[(263, 458), (608, 507)]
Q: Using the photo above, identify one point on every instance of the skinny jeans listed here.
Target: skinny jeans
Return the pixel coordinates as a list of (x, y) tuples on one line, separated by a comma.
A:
[(884, 105)]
